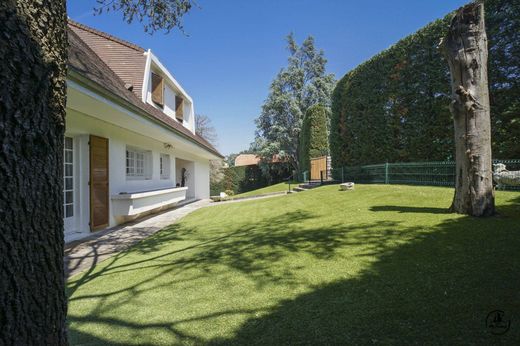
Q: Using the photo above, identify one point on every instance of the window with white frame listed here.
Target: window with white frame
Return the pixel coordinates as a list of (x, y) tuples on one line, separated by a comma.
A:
[(68, 178), (138, 163), (164, 163)]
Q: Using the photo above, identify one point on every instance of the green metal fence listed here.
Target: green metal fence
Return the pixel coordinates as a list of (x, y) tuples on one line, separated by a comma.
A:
[(413, 173)]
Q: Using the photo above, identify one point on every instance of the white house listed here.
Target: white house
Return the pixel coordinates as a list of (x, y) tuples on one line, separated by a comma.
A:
[(130, 142)]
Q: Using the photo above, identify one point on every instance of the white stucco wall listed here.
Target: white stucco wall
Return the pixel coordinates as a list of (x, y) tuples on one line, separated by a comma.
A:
[(80, 126), (202, 178)]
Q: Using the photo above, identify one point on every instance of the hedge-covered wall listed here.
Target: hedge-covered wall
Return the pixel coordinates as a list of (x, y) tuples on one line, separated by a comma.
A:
[(314, 140), (395, 106)]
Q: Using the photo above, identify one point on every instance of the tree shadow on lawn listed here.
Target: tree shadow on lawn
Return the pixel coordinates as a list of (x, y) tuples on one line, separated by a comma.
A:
[(429, 287), (436, 289), (257, 250), (249, 248), (407, 209)]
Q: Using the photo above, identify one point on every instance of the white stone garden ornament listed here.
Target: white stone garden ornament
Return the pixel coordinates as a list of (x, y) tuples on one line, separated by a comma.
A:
[(347, 186)]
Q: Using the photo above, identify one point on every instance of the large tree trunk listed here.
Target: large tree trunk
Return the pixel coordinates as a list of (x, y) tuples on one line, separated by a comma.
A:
[(33, 45), (466, 50)]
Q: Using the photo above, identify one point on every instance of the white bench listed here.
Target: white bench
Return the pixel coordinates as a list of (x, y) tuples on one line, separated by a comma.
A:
[(136, 203)]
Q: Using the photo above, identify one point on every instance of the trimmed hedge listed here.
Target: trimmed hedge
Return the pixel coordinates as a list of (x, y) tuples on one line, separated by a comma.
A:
[(395, 106), (313, 136)]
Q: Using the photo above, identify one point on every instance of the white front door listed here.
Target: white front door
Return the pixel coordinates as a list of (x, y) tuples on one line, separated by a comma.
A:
[(68, 185)]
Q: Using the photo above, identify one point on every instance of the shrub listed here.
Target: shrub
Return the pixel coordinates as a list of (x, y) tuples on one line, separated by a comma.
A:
[(313, 137), (247, 178)]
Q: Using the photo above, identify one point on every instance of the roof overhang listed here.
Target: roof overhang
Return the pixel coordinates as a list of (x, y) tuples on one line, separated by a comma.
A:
[(111, 107)]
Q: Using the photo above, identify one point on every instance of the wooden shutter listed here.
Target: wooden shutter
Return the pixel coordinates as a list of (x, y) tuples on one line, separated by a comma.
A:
[(179, 108), (157, 89), (99, 206)]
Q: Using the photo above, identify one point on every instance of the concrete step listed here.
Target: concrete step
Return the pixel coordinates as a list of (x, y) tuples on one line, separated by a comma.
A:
[(299, 189), (308, 186)]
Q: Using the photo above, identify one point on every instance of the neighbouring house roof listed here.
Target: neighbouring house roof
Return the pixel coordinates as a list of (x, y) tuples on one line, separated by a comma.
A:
[(252, 159), (247, 160), (84, 61)]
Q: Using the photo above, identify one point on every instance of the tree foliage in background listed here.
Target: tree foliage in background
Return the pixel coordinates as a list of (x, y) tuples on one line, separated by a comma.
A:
[(300, 85), (204, 128), (395, 106), (155, 15), (314, 141)]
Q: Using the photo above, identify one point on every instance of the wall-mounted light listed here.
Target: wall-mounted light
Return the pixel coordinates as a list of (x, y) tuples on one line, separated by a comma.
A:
[(168, 146)]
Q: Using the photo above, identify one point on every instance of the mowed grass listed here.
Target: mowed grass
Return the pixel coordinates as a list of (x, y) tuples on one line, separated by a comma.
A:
[(378, 265), (280, 187)]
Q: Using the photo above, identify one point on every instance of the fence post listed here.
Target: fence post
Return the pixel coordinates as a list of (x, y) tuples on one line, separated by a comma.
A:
[(387, 181), (321, 177)]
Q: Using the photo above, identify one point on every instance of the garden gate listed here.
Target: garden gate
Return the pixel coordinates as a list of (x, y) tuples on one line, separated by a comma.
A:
[(319, 168)]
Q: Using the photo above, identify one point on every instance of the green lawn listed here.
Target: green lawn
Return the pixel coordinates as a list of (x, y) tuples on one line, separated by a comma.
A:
[(268, 189), (378, 265)]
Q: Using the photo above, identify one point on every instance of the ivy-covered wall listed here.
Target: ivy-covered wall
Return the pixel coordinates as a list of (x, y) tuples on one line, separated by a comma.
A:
[(313, 136), (395, 106)]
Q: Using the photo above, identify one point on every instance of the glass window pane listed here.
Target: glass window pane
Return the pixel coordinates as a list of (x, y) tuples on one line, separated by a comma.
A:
[(68, 183), (68, 156), (68, 170), (69, 210), (69, 197), (68, 143)]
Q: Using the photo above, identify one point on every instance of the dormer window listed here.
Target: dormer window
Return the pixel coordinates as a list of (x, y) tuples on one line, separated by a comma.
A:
[(179, 108), (157, 89)]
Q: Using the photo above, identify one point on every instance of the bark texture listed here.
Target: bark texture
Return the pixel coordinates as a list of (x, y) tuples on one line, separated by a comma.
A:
[(32, 112), (467, 53)]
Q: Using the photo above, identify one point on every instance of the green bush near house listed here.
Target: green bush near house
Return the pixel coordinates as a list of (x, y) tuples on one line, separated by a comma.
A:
[(314, 141), (383, 264), (246, 178), (239, 179)]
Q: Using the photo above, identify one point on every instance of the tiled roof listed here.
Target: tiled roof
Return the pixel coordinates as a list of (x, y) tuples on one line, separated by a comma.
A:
[(84, 61), (126, 59), (247, 160), (252, 159)]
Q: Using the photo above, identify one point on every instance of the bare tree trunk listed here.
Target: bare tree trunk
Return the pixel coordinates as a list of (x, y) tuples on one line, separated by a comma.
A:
[(466, 50), (33, 57)]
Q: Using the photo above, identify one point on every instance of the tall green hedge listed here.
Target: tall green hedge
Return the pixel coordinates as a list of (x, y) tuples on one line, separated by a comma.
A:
[(395, 106), (313, 136)]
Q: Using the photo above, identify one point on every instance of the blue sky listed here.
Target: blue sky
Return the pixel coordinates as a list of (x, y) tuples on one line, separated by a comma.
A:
[(236, 47)]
